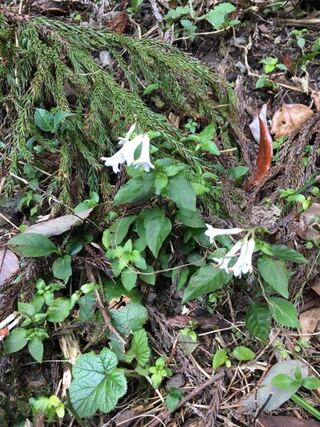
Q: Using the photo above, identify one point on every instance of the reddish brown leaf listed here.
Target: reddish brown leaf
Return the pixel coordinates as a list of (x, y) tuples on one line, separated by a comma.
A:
[(280, 421), (264, 155), (4, 332), (289, 118), (287, 61)]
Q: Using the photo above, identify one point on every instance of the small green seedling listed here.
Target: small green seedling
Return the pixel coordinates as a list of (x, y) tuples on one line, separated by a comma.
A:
[(298, 36), (50, 408), (271, 64), (159, 371)]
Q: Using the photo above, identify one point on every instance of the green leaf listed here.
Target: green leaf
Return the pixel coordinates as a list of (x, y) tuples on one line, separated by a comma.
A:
[(182, 193), (59, 310), (275, 273), (59, 116), (207, 134), (26, 309), (161, 182), (44, 119), (282, 381), (177, 13), (218, 15), (140, 349), (16, 340), (149, 278), (97, 383), (135, 190), (129, 279), (311, 383), (87, 305), (283, 252), (151, 88), (119, 229), (129, 319), (243, 354), (179, 277), (157, 228), (35, 347), (114, 290), (238, 172), (284, 312), (190, 219), (220, 357), (61, 268), (32, 245), (258, 321), (173, 399), (206, 279)]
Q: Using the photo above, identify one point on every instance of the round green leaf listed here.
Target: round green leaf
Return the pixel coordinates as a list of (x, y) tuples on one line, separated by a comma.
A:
[(243, 354)]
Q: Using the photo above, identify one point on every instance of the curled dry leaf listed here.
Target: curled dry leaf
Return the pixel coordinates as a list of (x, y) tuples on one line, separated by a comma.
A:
[(57, 226), (9, 265), (265, 151), (309, 223), (266, 392), (289, 118), (308, 321)]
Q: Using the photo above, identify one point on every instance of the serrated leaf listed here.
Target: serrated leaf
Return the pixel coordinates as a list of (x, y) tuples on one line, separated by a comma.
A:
[(140, 349), (129, 319), (182, 193), (284, 312), (61, 268), (173, 399), (258, 321), (97, 383), (275, 273), (35, 347), (157, 228), (32, 245), (87, 305), (243, 354), (206, 279)]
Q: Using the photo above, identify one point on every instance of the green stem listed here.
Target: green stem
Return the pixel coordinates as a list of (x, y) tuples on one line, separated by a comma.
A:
[(306, 406)]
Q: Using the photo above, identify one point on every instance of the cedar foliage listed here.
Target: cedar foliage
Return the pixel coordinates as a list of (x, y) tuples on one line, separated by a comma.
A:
[(44, 60)]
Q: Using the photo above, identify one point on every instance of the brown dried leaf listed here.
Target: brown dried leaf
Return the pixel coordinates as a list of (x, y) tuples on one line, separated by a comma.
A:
[(315, 95), (309, 223), (280, 421), (287, 61), (118, 22), (289, 118), (9, 265), (308, 321)]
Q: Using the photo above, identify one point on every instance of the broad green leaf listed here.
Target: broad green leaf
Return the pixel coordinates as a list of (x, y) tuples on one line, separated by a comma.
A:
[(220, 357), (129, 279), (283, 252), (150, 277), (157, 227), (218, 15), (243, 354), (161, 182), (16, 340), (135, 190), (190, 219), (173, 399), (179, 277), (140, 349), (32, 245), (182, 193), (258, 320), (59, 310), (44, 119), (61, 268), (120, 228), (59, 116), (115, 290), (177, 13), (275, 273), (311, 383), (284, 312), (97, 383), (206, 279), (207, 134), (35, 347), (238, 172), (282, 381), (129, 319), (27, 309)]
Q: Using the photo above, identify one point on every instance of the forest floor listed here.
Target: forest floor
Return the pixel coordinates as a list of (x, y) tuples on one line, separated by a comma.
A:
[(269, 54)]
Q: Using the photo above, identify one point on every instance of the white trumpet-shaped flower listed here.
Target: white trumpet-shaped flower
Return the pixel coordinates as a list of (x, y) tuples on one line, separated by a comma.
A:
[(126, 152), (212, 232), (243, 264)]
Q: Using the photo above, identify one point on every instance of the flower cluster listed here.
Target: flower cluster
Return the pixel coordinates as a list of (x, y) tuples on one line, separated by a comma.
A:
[(126, 152), (243, 249)]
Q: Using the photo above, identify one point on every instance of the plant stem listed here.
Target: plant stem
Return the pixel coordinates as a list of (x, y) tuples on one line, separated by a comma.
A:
[(306, 406)]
